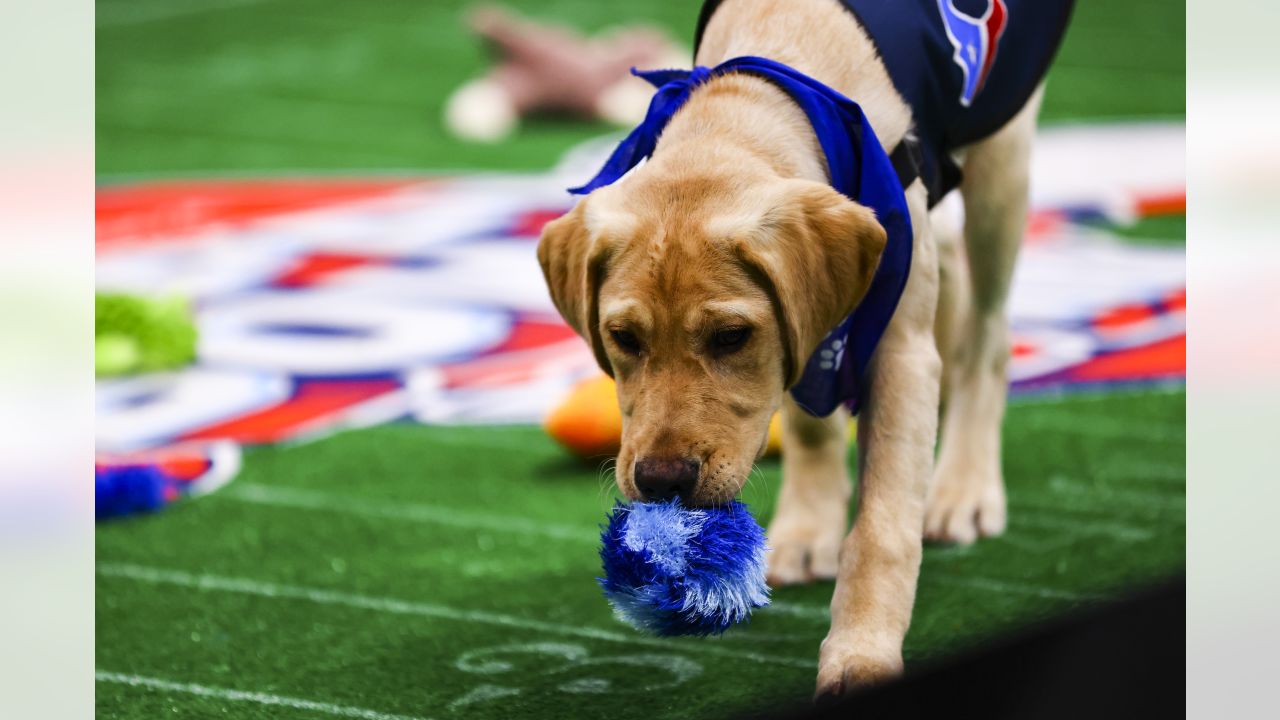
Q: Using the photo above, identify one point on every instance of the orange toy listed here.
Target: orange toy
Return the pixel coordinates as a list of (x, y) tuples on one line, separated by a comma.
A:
[(589, 423)]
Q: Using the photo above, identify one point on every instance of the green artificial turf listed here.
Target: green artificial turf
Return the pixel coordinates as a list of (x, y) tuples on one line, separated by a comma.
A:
[(361, 570), (273, 85), (1158, 230)]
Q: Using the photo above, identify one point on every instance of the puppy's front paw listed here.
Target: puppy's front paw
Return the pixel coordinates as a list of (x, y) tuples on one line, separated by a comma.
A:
[(844, 666), (964, 504), (801, 552)]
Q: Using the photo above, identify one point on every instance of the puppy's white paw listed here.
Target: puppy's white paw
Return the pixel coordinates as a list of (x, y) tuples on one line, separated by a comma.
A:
[(802, 552), (964, 505), (845, 665)]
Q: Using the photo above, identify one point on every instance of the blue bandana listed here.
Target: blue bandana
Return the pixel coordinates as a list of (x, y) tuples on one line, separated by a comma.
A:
[(859, 169)]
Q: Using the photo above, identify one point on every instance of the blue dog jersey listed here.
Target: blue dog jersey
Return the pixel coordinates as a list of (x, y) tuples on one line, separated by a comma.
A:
[(965, 67)]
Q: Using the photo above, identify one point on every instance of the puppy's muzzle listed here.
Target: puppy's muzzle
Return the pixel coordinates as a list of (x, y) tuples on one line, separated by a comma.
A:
[(666, 478)]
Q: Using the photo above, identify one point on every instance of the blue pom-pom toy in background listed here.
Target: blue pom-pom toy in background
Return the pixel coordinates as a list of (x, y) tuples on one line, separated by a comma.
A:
[(671, 570)]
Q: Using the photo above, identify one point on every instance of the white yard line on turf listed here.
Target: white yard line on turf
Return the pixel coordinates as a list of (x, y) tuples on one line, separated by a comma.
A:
[(1108, 495), (413, 512), (321, 596), (417, 512), (1005, 587), (1042, 517), (1097, 426), (807, 612), (434, 514), (259, 698), (1127, 471)]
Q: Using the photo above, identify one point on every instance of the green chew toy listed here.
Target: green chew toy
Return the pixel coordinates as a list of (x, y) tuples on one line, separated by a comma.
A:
[(134, 334)]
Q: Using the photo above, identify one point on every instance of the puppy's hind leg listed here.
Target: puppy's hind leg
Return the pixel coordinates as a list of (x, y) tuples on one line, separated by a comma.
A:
[(946, 221), (966, 496), (813, 506)]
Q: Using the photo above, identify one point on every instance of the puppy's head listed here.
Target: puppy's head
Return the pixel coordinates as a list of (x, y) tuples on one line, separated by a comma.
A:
[(704, 296)]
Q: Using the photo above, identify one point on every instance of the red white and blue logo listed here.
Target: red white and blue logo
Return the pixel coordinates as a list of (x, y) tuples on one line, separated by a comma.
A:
[(326, 304), (976, 41)]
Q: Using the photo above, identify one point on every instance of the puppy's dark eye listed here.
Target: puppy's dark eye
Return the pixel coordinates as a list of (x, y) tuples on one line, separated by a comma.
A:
[(731, 339), (626, 340)]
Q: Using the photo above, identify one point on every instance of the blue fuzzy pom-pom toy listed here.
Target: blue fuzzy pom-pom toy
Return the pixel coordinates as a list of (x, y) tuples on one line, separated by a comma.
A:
[(671, 570)]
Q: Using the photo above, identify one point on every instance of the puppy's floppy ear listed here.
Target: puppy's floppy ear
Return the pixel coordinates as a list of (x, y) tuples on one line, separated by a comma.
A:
[(815, 251), (573, 261)]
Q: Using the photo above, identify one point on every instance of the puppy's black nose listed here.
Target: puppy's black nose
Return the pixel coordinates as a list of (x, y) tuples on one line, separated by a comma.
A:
[(665, 478)]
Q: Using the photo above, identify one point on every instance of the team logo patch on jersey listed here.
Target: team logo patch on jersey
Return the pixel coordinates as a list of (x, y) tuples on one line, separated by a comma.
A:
[(976, 40)]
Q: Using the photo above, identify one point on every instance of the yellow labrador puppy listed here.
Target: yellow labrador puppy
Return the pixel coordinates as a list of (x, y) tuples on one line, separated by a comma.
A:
[(707, 277)]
